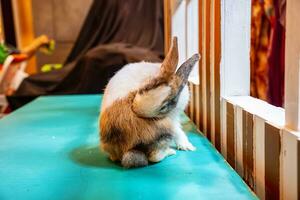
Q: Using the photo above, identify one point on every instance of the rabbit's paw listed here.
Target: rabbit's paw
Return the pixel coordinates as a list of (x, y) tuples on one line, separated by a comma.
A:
[(185, 146), (159, 155)]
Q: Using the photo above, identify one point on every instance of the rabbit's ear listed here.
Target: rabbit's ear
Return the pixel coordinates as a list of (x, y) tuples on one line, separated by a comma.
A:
[(185, 69), (147, 103), (170, 62)]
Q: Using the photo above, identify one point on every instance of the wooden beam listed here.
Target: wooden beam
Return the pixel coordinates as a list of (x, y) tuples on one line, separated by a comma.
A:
[(216, 71), (22, 10), (167, 25), (200, 45), (292, 66)]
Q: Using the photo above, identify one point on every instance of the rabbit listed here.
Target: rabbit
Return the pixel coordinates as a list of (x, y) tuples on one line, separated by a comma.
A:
[(140, 110)]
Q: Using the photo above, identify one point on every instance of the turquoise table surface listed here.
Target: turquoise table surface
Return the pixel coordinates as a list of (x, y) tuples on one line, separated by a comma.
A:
[(49, 150)]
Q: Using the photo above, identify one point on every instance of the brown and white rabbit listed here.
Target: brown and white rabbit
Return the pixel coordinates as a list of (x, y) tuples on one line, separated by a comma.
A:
[(141, 107)]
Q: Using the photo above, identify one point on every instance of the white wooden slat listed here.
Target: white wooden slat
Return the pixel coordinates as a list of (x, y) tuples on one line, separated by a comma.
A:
[(193, 36), (179, 29), (235, 47)]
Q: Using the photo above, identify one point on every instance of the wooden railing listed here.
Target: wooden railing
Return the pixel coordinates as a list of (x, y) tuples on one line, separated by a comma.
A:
[(261, 142)]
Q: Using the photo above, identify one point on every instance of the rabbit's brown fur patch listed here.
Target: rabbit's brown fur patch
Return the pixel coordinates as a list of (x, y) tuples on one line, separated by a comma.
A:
[(122, 130)]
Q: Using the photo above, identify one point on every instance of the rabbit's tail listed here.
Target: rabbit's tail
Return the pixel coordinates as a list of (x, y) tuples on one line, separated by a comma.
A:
[(134, 158)]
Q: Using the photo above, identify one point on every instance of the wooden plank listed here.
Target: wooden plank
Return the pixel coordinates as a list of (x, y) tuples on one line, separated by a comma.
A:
[(223, 135), (167, 25), (238, 131), (192, 102), (298, 169), (197, 105), (292, 63), (188, 108), (24, 29), (212, 72), (259, 155), (203, 68), (217, 60), (272, 157), (248, 148), (200, 89), (230, 135), (289, 165), (207, 66)]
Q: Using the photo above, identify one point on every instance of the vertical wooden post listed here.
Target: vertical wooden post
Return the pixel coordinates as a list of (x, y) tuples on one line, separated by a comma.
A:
[(216, 71), (24, 28), (204, 78), (292, 63), (290, 167), (200, 45), (167, 24), (214, 56), (235, 62)]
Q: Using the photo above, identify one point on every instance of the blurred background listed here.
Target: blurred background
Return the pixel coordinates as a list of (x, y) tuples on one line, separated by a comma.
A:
[(53, 47), (59, 20), (73, 47)]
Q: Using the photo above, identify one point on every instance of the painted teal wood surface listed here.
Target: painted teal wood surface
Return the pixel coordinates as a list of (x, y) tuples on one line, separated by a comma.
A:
[(49, 150)]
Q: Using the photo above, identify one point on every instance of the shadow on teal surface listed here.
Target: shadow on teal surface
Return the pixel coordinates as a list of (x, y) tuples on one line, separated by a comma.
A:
[(91, 156)]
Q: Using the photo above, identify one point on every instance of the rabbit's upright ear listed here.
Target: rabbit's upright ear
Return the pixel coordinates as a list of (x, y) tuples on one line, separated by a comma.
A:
[(185, 69), (170, 62)]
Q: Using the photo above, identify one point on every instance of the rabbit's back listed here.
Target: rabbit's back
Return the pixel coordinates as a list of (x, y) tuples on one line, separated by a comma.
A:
[(131, 77)]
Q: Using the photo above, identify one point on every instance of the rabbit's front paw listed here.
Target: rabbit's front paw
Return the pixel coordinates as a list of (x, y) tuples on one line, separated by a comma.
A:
[(185, 146)]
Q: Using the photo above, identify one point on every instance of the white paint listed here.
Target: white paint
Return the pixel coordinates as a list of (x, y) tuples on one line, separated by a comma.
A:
[(223, 128), (235, 47), (266, 111), (179, 29), (185, 26), (292, 63), (259, 156), (288, 169), (238, 134), (193, 36)]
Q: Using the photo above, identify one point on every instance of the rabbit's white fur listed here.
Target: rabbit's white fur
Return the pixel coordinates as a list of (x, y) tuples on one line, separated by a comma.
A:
[(129, 78), (132, 77)]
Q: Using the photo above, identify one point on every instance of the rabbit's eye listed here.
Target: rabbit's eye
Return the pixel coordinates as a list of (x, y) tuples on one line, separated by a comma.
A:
[(164, 108)]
